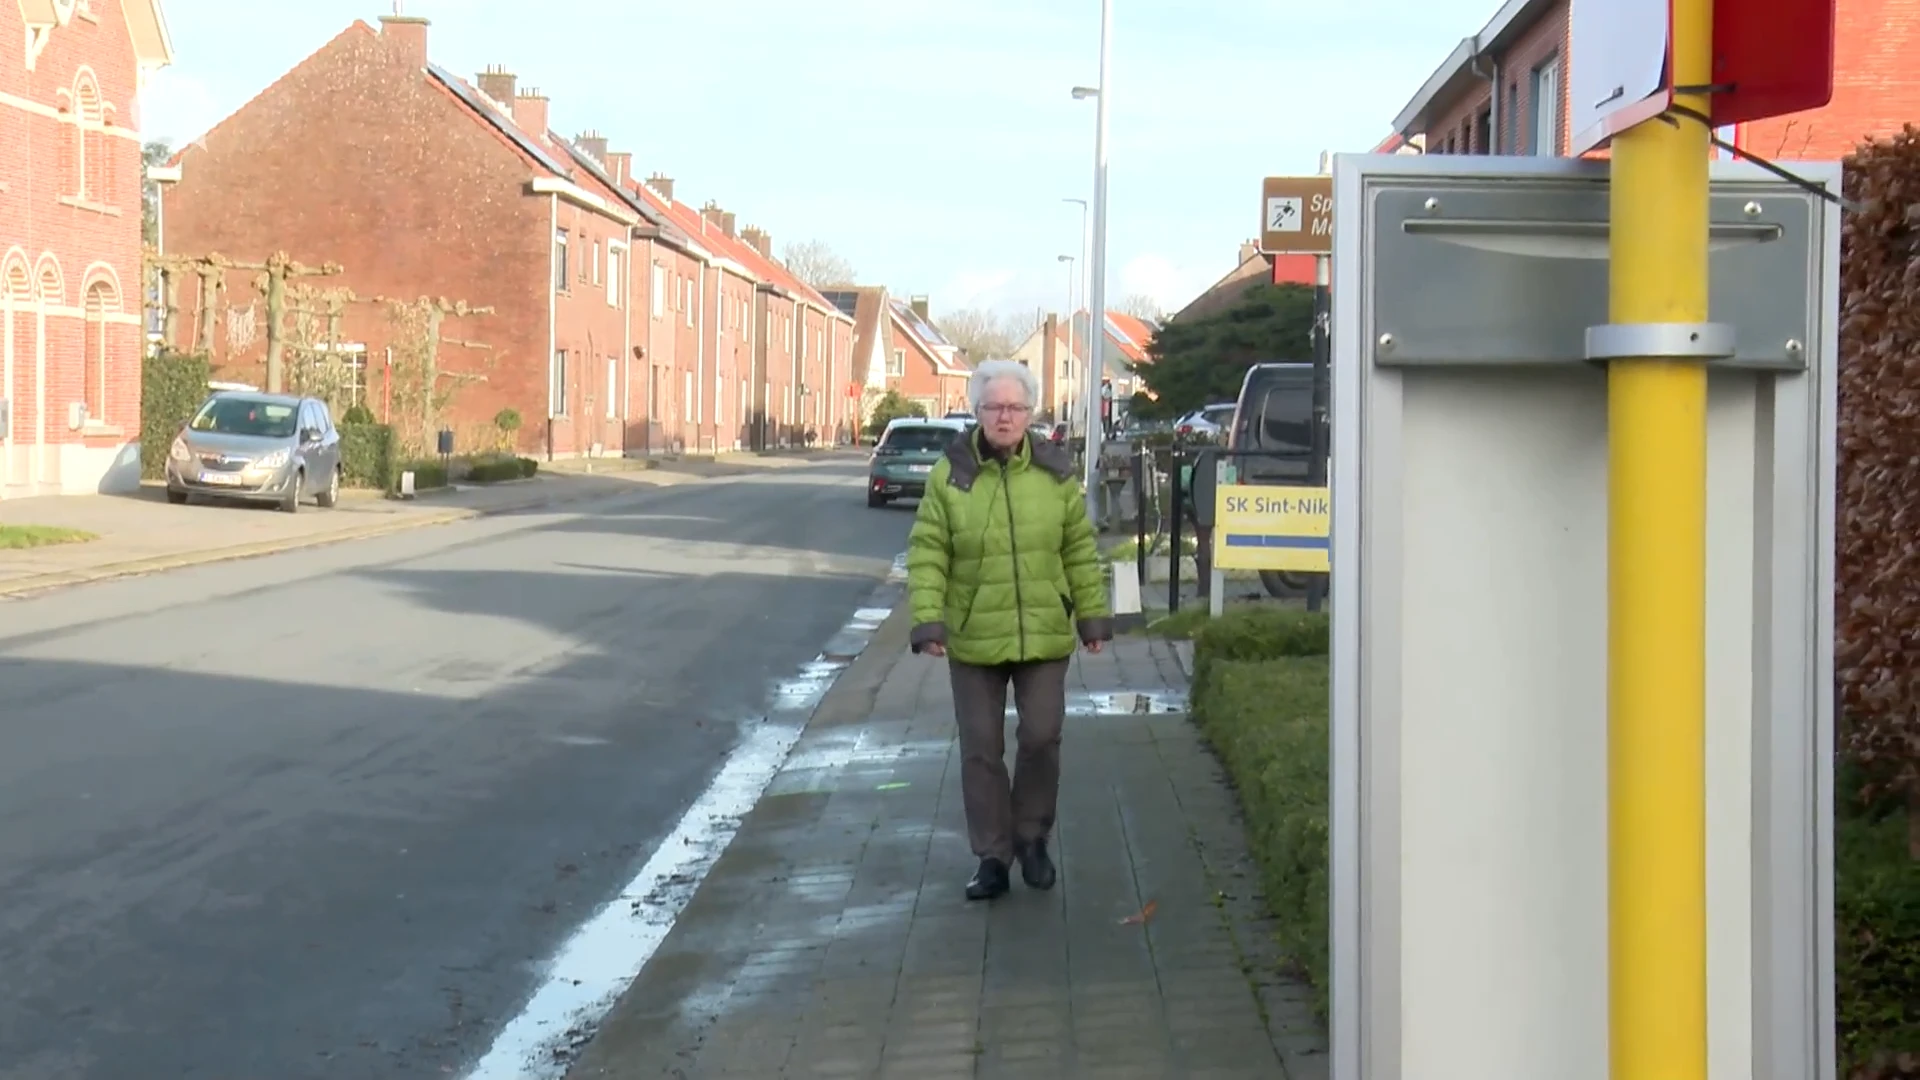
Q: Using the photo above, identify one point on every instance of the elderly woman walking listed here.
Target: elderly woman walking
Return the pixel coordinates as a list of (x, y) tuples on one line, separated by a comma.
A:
[(1004, 579)]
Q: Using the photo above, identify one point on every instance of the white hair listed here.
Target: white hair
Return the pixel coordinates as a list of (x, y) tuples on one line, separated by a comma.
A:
[(990, 370)]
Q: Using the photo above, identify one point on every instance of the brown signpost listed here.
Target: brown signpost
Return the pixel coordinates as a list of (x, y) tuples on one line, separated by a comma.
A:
[(1296, 215)]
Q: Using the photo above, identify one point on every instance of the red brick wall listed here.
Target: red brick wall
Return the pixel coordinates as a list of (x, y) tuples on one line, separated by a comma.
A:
[(843, 408), (593, 335), (69, 228), (783, 404), (355, 157), (736, 358), (1876, 87), (1461, 122)]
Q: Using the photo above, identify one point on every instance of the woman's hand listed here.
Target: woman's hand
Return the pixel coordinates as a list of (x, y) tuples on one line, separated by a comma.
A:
[(1095, 646), (934, 648)]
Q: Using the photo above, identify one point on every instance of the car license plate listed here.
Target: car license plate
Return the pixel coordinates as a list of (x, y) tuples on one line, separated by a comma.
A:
[(220, 479), (919, 468)]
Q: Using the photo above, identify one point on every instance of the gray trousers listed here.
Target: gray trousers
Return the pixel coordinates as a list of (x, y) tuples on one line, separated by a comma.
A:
[(1001, 814)]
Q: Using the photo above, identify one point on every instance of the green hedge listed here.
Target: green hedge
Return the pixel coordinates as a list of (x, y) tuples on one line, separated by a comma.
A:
[(172, 387), (1876, 943), (1262, 632), (501, 469), (1267, 720), (366, 455)]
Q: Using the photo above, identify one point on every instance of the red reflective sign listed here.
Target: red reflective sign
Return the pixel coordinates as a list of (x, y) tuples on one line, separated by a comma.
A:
[(1775, 56)]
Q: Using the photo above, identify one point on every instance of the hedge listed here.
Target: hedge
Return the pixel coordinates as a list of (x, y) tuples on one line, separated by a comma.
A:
[(1261, 699), (1876, 944), (366, 455), (496, 470), (173, 386)]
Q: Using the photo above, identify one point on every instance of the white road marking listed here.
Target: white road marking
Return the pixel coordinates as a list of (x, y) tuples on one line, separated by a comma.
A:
[(602, 958)]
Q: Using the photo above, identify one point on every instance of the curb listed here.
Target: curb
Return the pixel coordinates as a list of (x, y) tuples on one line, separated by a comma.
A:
[(181, 560)]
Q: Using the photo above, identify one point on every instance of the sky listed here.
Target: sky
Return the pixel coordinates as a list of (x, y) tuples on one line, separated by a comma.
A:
[(931, 144)]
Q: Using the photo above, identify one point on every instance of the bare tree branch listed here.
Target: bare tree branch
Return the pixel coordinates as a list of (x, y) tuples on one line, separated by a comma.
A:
[(1140, 306), (813, 262), (988, 335)]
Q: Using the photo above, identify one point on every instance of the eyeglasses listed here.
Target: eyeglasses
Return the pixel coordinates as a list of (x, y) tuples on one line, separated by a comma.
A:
[(1007, 410)]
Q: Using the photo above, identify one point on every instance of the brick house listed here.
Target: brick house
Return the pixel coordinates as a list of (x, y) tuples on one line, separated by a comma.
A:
[(921, 365), (1522, 52), (513, 223), (70, 248), (805, 388)]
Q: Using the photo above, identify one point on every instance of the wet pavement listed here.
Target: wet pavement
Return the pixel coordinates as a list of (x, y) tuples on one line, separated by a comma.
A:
[(334, 813), (832, 938)]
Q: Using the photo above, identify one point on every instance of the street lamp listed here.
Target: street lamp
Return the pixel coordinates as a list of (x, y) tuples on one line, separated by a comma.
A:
[(1072, 302), (1067, 373), (1097, 290)]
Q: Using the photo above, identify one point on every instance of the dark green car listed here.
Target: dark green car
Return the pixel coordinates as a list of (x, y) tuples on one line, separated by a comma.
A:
[(907, 452)]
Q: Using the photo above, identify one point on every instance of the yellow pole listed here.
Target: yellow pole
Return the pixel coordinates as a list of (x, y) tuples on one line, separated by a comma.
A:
[(1656, 601)]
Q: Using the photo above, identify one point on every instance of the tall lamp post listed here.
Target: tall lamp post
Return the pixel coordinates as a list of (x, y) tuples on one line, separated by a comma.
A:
[(1068, 366), (1073, 299), (1097, 272)]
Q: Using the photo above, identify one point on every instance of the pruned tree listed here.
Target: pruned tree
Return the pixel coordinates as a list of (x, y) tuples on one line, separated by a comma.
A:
[(1142, 307), (988, 335), (813, 262), (423, 389)]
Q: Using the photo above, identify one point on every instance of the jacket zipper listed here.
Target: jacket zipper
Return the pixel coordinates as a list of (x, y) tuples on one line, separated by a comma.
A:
[(1013, 548)]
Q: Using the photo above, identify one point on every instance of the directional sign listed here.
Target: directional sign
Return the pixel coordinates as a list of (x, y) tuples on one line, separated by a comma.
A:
[(1296, 216)]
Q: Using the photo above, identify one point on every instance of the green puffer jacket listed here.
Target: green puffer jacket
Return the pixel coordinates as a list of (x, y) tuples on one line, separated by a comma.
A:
[(1002, 558)]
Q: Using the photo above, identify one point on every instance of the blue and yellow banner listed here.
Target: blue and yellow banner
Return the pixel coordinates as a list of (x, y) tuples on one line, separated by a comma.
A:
[(1272, 528)]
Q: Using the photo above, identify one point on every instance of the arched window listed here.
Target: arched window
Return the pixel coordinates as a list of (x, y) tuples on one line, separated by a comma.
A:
[(102, 301), (86, 157)]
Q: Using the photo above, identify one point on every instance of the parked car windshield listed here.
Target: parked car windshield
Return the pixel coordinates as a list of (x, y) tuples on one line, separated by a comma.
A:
[(246, 416), (919, 437)]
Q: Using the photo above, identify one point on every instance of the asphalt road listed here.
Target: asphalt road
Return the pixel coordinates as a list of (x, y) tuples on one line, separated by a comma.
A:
[(325, 814)]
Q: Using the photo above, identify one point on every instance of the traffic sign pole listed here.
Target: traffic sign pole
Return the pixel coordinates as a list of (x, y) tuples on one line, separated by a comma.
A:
[(1656, 590)]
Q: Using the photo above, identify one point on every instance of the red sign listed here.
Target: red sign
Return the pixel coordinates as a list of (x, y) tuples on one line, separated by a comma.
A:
[(1770, 58), (853, 389)]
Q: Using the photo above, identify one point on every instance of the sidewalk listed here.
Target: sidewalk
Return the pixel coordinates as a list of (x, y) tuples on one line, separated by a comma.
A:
[(142, 533), (832, 938)]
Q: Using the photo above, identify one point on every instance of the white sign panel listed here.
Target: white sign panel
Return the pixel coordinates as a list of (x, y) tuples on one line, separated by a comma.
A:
[(1284, 214), (1618, 64)]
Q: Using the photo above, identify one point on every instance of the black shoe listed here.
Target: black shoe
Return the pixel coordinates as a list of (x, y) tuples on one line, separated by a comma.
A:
[(989, 881), (1035, 868)]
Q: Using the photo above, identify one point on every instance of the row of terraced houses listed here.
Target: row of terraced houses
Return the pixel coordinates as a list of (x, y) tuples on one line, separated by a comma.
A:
[(619, 319), (609, 315)]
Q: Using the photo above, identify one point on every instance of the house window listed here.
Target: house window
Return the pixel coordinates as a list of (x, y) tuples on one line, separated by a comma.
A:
[(897, 365), (659, 291), (560, 263), (613, 387), (557, 384), (614, 252), (686, 401), (592, 266), (1484, 126), (686, 301), (653, 392), (100, 302), (1546, 108)]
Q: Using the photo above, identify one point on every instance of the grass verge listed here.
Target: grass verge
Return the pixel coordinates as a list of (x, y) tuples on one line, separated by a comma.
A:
[(21, 537)]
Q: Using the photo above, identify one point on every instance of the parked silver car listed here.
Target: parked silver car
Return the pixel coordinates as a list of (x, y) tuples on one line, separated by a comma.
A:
[(258, 447)]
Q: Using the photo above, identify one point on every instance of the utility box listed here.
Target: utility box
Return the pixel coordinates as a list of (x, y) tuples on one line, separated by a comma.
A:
[(1469, 520)]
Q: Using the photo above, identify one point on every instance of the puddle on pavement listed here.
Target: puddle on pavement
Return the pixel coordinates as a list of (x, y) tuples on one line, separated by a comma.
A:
[(1121, 703)]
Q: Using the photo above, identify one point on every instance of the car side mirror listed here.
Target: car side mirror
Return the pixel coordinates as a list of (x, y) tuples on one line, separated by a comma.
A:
[(311, 435)]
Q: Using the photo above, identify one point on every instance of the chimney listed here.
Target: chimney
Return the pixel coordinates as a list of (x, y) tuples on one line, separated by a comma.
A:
[(714, 216), (498, 83), (620, 166), (727, 222), (758, 239), (1050, 362), (530, 112), (661, 185), (920, 307), (593, 144), (407, 36), (1248, 252)]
